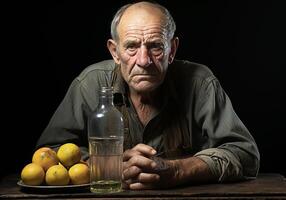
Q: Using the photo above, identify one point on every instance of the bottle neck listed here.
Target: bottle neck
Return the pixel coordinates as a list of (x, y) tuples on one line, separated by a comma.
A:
[(106, 100), (106, 97)]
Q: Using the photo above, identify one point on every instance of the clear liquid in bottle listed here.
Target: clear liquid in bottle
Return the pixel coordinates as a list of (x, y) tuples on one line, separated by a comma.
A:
[(105, 136)]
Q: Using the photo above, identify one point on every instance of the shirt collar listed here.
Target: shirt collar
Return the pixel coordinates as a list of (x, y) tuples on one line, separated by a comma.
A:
[(120, 87), (169, 92)]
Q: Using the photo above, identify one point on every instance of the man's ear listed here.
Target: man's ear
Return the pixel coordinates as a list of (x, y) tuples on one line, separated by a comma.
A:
[(174, 47), (112, 47)]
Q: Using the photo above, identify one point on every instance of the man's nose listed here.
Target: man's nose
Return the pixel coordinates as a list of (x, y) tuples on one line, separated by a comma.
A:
[(143, 57)]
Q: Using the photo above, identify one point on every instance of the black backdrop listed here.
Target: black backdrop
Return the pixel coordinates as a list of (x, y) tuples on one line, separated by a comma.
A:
[(48, 44)]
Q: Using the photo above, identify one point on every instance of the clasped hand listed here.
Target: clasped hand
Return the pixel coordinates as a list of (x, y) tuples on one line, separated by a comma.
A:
[(143, 170)]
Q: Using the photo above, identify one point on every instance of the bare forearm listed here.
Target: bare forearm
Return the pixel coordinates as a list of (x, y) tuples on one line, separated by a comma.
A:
[(191, 170)]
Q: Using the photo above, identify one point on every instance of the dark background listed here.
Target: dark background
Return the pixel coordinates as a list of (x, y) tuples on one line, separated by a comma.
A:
[(46, 45)]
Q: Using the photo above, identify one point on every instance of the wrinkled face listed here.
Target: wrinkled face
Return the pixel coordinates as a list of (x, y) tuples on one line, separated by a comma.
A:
[(143, 49)]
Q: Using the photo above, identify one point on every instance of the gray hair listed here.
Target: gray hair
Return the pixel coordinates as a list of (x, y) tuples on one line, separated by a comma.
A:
[(170, 23)]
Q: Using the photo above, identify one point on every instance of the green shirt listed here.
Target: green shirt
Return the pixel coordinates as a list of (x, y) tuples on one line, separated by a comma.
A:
[(195, 118)]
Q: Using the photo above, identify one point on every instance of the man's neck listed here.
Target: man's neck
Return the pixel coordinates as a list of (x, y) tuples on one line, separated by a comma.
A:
[(145, 104), (142, 98)]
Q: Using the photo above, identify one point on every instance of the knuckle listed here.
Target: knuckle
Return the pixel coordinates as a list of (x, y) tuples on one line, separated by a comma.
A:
[(156, 177), (131, 172), (134, 160), (135, 169), (125, 165), (140, 145)]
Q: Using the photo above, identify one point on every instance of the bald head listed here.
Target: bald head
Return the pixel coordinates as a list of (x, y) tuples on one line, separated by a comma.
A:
[(140, 14)]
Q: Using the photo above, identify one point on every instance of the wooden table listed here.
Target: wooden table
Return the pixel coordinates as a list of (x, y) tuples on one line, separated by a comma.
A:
[(266, 186)]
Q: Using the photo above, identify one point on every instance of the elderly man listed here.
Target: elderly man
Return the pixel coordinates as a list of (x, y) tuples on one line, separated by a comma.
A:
[(182, 126)]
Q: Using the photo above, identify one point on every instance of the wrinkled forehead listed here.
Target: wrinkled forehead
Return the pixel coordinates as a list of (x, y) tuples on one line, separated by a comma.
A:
[(142, 18)]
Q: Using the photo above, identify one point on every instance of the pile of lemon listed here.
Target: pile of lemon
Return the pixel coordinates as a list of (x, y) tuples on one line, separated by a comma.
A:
[(60, 168)]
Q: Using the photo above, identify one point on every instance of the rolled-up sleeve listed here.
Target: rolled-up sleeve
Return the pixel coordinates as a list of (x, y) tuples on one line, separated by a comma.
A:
[(229, 150), (222, 164)]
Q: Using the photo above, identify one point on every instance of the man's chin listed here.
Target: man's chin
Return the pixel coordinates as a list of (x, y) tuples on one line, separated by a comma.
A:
[(144, 87)]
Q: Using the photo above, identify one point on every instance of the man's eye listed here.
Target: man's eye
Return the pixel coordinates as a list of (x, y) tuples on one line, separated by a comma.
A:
[(156, 48), (131, 48)]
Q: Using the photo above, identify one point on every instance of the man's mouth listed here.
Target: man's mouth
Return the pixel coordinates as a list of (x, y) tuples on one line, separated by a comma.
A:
[(143, 75)]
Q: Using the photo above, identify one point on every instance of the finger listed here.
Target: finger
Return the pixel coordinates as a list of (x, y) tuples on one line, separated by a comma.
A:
[(140, 186), (143, 181), (131, 172), (145, 149), (141, 162), (130, 181), (126, 183), (148, 178), (129, 153), (139, 149)]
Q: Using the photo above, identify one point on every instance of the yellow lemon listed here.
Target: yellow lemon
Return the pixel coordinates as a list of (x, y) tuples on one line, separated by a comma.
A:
[(69, 154), (57, 175), (45, 157), (79, 174), (33, 174)]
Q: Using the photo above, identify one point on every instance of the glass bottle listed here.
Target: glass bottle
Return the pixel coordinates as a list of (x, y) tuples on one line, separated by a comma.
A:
[(105, 136)]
